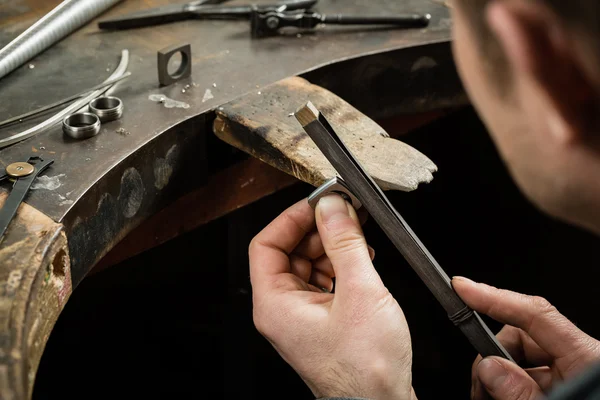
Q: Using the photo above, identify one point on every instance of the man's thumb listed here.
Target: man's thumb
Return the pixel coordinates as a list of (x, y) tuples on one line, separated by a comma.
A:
[(344, 243), (505, 380)]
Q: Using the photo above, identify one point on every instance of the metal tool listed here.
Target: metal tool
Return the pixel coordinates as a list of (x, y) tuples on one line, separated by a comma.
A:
[(33, 113), (397, 230), (270, 23), (67, 17), (197, 10), (162, 62), (57, 118), (107, 108), (81, 125), (23, 173)]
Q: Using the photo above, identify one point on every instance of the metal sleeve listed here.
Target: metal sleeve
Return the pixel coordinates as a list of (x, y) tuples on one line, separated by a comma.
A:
[(107, 108), (81, 125), (67, 17)]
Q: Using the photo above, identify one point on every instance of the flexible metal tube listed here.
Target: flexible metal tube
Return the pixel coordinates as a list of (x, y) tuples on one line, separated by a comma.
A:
[(67, 17)]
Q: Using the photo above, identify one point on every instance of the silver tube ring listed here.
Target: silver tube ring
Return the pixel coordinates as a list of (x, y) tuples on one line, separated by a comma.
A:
[(107, 108), (81, 125)]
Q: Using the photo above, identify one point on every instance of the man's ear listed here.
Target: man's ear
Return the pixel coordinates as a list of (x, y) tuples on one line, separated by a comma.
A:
[(538, 48)]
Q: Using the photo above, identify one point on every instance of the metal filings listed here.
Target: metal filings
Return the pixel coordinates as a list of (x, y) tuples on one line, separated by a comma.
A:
[(107, 108), (81, 125)]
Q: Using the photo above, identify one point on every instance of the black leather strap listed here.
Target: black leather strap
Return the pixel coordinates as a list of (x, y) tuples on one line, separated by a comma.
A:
[(18, 193)]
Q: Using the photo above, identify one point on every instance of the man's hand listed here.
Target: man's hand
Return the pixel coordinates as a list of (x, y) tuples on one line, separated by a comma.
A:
[(352, 343), (535, 332)]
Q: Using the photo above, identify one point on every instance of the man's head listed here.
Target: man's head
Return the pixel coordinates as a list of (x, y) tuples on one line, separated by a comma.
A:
[(532, 69)]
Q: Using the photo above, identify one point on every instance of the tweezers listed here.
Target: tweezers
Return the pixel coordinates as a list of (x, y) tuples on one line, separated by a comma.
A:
[(397, 230)]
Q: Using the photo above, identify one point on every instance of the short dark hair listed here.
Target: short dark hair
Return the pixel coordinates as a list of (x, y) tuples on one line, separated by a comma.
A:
[(580, 15)]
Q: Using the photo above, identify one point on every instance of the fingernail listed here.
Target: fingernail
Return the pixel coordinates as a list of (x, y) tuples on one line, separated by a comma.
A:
[(491, 373), (462, 279), (333, 207)]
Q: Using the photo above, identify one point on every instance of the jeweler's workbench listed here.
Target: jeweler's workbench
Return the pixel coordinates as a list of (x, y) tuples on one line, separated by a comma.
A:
[(166, 167)]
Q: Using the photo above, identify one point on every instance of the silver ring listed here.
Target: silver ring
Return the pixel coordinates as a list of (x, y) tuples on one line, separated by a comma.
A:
[(107, 108), (82, 125), (334, 185)]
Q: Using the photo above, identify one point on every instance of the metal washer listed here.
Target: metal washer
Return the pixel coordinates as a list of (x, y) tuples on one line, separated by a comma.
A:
[(19, 169)]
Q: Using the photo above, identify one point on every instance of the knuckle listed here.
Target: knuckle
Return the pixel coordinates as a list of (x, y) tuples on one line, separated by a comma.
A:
[(262, 315), (520, 390), (253, 246), (594, 346), (540, 310), (347, 240), (587, 349), (294, 219), (259, 323), (365, 308), (365, 285), (542, 306), (265, 321)]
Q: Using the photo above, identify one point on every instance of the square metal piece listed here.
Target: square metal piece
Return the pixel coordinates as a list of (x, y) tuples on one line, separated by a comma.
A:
[(334, 185), (184, 70)]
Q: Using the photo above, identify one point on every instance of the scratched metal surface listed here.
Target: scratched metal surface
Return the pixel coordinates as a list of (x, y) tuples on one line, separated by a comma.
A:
[(103, 186)]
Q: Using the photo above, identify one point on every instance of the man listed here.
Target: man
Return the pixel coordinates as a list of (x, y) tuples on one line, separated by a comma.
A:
[(532, 69)]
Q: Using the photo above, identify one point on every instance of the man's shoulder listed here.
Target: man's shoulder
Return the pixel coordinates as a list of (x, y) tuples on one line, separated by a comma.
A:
[(584, 387)]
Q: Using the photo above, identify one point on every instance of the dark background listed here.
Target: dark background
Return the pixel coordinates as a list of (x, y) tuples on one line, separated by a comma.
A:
[(176, 322)]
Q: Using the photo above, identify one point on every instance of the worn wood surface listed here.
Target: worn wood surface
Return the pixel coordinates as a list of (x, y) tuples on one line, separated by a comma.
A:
[(263, 126), (35, 284)]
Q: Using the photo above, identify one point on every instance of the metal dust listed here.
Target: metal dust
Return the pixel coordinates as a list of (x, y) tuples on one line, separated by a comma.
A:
[(207, 95), (47, 182), (167, 102)]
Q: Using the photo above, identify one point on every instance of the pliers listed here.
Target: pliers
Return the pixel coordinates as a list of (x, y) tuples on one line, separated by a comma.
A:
[(23, 174), (201, 9)]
